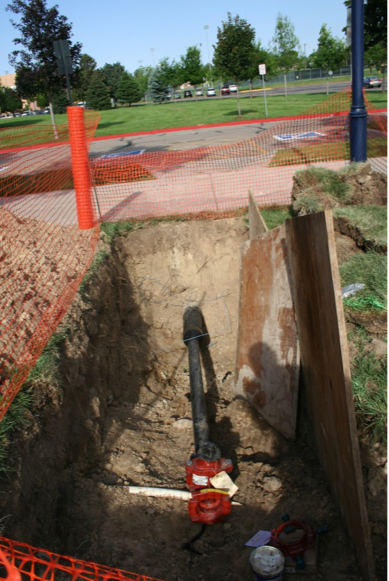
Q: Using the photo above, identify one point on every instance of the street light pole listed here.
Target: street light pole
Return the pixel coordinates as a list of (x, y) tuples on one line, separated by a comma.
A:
[(152, 52), (305, 53), (358, 113), (209, 58)]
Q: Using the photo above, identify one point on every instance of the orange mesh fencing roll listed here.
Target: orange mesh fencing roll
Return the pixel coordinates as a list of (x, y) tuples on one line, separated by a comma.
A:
[(80, 167), (25, 563)]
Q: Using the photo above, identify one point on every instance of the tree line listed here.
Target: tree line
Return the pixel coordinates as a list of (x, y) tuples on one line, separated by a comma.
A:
[(237, 54)]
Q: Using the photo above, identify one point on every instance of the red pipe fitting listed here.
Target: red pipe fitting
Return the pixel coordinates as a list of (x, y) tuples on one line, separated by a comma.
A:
[(301, 537), (208, 505)]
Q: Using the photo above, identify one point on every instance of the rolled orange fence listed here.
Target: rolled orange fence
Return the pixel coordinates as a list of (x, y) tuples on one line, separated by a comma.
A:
[(81, 168)]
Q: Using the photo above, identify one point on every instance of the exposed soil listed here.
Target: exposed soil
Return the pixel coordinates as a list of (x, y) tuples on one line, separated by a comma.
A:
[(123, 416), (355, 237), (362, 187), (32, 287)]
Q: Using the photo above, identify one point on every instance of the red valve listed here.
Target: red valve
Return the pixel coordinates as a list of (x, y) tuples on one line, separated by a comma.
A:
[(208, 505)]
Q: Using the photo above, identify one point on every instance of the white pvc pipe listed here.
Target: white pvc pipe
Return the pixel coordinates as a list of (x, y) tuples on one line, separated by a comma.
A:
[(163, 492)]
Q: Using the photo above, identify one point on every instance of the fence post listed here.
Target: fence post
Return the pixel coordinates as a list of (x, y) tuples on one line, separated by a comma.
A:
[(80, 168)]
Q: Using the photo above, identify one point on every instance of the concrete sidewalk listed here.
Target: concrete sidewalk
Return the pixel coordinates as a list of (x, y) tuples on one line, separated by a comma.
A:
[(179, 192)]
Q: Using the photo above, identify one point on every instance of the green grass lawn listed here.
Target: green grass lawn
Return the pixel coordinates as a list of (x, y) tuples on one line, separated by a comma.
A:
[(191, 113)]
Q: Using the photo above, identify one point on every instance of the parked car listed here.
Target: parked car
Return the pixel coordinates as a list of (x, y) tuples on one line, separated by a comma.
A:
[(233, 89), (372, 82), (225, 90), (187, 93), (211, 92), (26, 113), (177, 95), (199, 92)]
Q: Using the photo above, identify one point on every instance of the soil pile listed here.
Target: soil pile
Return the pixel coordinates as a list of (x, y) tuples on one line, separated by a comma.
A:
[(33, 258), (318, 189)]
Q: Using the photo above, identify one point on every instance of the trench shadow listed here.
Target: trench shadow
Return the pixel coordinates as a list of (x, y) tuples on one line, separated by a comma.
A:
[(223, 427)]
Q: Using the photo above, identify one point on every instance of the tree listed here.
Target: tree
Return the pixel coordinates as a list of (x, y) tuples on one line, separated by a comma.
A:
[(262, 56), (375, 30), (128, 90), (170, 74), (233, 53), (9, 100), (159, 91), (330, 53), (375, 23), (111, 75), (60, 102), (375, 56), (286, 45), (97, 96), (86, 71), (142, 76), (42, 101), (35, 63), (191, 67)]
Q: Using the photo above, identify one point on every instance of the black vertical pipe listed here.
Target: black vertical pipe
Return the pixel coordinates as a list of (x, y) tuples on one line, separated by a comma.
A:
[(199, 411), (358, 114), (193, 330)]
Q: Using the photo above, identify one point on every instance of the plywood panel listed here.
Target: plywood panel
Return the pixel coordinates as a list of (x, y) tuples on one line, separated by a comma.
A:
[(267, 350), (326, 370), (257, 225)]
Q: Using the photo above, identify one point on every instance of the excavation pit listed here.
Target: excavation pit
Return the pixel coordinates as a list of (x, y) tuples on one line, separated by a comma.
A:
[(123, 417)]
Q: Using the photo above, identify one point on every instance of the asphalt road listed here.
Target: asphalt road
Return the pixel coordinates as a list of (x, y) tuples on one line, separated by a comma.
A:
[(175, 140), (204, 136), (333, 87)]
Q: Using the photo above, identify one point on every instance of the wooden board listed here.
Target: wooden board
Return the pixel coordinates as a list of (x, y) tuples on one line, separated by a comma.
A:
[(267, 368), (257, 225), (326, 371)]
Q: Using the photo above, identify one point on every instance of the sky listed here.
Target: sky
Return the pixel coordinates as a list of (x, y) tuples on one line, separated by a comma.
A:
[(126, 31)]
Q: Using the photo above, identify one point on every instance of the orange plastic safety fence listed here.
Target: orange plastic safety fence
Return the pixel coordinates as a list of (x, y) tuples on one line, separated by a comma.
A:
[(43, 253), (211, 181), (22, 562)]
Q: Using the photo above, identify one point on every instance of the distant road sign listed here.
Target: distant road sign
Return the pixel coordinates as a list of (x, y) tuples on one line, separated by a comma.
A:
[(262, 69)]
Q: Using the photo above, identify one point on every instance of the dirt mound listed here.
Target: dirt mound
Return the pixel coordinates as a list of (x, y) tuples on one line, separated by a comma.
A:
[(30, 255), (317, 189)]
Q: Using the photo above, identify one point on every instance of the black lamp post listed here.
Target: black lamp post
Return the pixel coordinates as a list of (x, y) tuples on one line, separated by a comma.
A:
[(358, 113)]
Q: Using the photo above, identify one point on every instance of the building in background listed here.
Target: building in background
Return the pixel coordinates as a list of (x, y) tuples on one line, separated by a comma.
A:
[(8, 81)]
